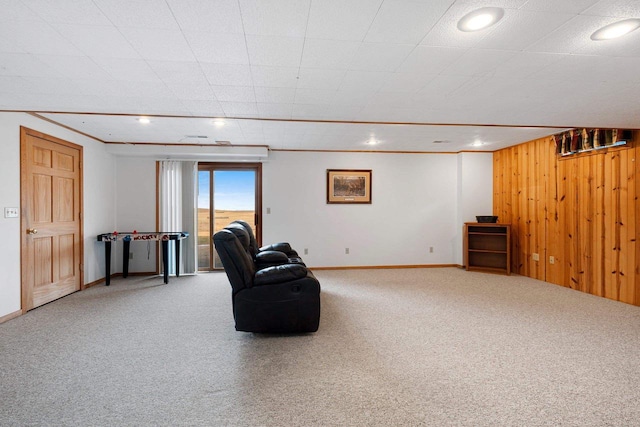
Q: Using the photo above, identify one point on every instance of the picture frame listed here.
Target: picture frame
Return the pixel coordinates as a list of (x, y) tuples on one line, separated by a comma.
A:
[(347, 186)]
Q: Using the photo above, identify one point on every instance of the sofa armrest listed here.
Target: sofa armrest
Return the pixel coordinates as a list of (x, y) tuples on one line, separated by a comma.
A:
[(272, 257), (280, 247), (279, 274)]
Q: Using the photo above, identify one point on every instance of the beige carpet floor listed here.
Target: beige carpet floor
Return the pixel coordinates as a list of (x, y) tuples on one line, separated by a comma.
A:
[(414, 347)]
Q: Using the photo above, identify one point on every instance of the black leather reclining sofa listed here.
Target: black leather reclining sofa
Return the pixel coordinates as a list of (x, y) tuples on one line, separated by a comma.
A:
[(272, 289)]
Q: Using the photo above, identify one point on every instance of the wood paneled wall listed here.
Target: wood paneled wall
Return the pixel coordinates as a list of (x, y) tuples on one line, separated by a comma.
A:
[(582, 210)]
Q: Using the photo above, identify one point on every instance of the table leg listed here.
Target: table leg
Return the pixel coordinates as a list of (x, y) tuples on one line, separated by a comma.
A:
[(107, 262), (177, 245), (125, 257), (165, 256)]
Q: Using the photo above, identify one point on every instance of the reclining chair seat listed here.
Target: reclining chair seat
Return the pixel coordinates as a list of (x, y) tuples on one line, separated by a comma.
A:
[(278, 298)]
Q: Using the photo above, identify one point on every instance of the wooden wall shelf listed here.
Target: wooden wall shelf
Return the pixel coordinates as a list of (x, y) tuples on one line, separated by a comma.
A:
[(487, 247)]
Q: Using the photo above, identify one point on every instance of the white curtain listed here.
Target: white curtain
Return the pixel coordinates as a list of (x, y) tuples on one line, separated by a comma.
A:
[(177, 212)]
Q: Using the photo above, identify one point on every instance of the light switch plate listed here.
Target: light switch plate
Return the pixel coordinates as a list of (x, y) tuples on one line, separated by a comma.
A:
[(11, 212)]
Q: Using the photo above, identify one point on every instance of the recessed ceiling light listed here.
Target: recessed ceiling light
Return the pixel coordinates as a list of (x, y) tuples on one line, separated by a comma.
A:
[(218, 122), (144, 120), (372, 141), (477, 144), (615, 30), (480, 19)]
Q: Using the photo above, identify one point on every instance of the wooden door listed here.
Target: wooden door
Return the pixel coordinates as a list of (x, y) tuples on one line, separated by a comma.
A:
[(51, 189)]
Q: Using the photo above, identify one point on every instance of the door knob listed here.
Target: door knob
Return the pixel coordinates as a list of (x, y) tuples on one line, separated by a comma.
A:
[(32, 231)]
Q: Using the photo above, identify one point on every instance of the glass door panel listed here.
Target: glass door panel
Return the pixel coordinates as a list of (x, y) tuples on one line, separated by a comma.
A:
[(225, 193), (234, 197)]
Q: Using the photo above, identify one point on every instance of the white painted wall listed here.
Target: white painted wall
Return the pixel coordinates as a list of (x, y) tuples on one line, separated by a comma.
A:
[(415, 206), (98, 210), (475, 192)]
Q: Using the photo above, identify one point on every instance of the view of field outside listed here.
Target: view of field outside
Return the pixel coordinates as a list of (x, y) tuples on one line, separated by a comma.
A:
[(233, 199)]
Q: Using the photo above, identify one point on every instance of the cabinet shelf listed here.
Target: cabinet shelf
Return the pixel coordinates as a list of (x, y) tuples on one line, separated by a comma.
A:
[(487, 247)]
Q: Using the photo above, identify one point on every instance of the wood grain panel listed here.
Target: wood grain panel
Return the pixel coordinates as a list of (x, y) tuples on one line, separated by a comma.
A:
[(41, 157), (63, 162), (43, 267), (63, 199), (66, 256), (582, 210), (42, 192)]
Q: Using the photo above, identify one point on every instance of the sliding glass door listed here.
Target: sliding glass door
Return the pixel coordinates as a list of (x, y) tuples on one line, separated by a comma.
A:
[(226, 192)]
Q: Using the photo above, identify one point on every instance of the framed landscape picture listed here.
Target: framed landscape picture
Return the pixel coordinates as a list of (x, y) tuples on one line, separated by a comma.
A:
[(348, 186)]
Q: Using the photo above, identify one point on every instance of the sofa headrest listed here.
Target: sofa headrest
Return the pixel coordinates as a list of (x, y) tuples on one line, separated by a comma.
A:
[(253, 245), (242, 235)]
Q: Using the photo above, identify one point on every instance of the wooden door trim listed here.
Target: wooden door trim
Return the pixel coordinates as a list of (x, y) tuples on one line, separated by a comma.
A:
[(24, 132)]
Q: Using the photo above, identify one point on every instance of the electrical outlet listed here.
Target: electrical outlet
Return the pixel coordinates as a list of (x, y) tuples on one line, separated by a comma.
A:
[(130, 255), (430, 249), (11, 212), (306, 251), (346, 251), (268, 211), (536, 257), (552, 260)]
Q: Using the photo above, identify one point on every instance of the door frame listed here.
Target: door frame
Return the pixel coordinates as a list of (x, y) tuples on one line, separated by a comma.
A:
[(24, 132), (257, 167)]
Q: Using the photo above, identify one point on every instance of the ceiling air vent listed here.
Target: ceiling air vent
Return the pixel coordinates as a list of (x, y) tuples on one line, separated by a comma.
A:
[(196, 136), (223, 142), (441, 141)]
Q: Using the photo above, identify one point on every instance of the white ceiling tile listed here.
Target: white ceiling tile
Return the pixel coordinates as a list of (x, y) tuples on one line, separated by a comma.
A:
[(48, 86), (77, 12), (218, 48), (615, 8), (571, 36), (275, 17), (200, 107), (565, 6), (8, 46), (476, 62), (213, 16), (139, 14), (274, 76), (275, 111), (441, 87), (430, 59), (353, 97), (315, 78), (380, 56), (159, 44), (367, 80), (237, 94), (239, 109), (342, 20), (523, 64), (309, 111), (313, 96), (126, 69), (176, 71), (16, 11), (328, 54), (191, 90), (274, 50), (75, 67), (401, 21), (98, 40), (227, 74), (26, 65), (274, 95), (406, 82), (519, 29), (45, 40)]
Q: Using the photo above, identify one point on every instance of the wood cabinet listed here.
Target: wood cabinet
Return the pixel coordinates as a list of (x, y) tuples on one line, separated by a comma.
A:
[(487, 247)]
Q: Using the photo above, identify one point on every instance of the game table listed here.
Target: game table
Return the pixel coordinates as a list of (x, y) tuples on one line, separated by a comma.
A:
[(128, 236)]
